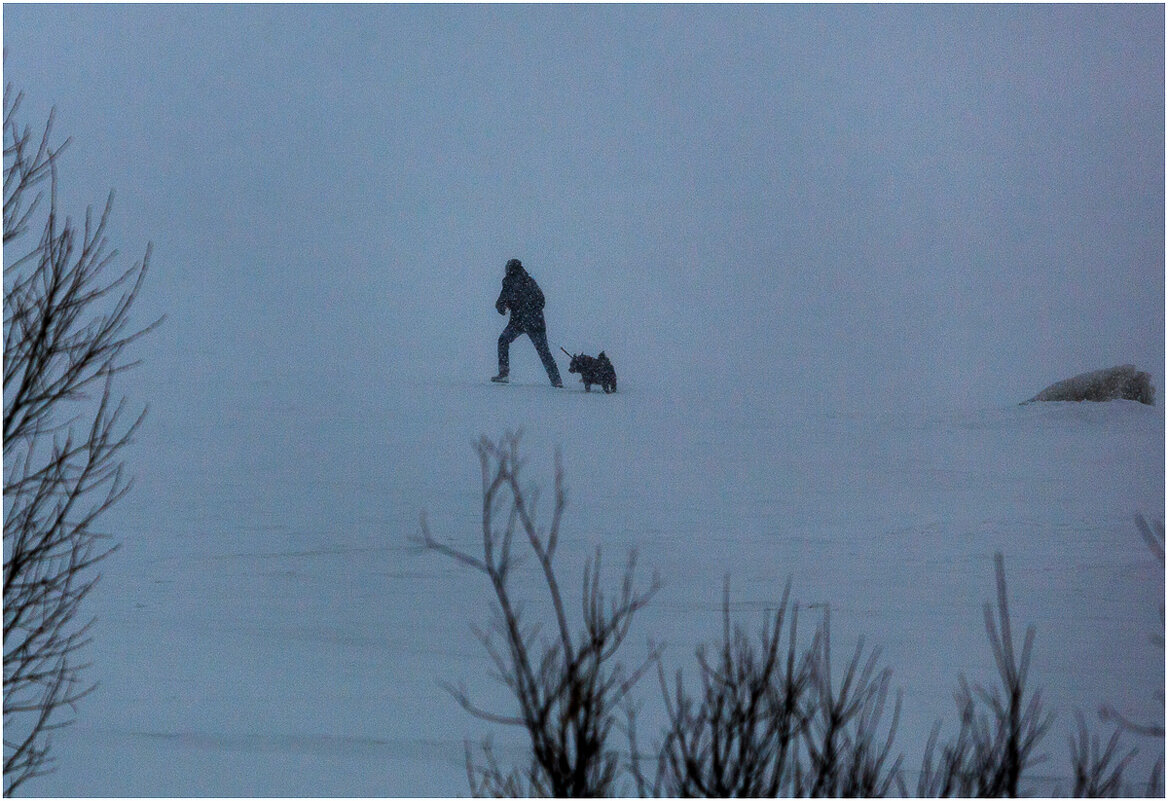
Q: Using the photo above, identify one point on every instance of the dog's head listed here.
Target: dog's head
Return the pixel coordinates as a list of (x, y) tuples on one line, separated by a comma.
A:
[(577, 363)]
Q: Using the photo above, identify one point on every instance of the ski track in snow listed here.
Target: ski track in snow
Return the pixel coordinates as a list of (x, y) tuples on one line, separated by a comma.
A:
[(269, 627)]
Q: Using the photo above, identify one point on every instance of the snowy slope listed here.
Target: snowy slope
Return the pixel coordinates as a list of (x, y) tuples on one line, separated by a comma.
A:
[(267, 629)]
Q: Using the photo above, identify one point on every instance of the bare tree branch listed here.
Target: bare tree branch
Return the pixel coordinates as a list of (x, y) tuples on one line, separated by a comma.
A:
[(567, 689), (1153, 536), (66, 332)]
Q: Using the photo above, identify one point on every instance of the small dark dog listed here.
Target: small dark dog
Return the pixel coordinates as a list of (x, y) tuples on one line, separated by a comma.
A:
[(593, 371)]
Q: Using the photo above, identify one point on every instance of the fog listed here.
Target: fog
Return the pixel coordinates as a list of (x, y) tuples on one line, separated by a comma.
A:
[(828, 248), (839, 207)]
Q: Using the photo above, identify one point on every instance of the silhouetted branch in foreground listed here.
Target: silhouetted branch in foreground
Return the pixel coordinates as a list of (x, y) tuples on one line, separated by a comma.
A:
[(769, 721), (769, 717), (740, 736), (1153, 536), (569, 687), (66, 331), (1098, 773), (999, 729)]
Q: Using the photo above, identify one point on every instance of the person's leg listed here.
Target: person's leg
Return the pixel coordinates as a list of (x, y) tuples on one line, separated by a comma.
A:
[(505, 339), (539, 339)]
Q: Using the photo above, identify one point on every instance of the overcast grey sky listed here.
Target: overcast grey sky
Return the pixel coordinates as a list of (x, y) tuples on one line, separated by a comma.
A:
[(834, 205)]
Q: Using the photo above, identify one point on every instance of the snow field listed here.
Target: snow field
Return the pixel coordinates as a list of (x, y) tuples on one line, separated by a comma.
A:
[(269, 628)]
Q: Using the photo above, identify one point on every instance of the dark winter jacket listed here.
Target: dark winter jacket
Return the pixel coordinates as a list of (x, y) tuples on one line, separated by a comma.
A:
[(523, 297)]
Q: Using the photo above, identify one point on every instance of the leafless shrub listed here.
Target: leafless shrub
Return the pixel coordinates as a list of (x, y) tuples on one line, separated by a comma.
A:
[(66, 330), (845, 755), (1153, 536), (569, 687), (739, 738), (999, 729), (1098, 774), (769, 718), (769, 721)]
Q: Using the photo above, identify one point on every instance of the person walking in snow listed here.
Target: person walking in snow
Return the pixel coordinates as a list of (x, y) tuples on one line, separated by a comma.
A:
[(523, 297)]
